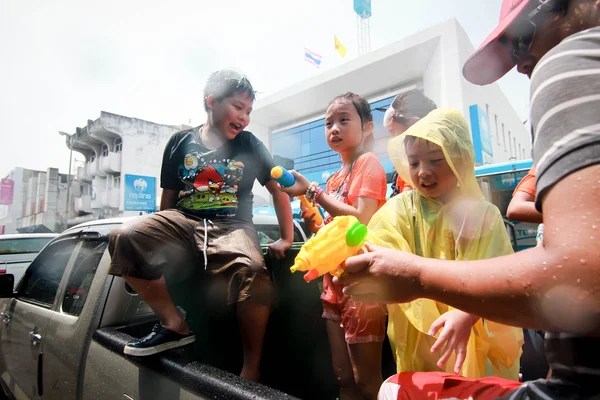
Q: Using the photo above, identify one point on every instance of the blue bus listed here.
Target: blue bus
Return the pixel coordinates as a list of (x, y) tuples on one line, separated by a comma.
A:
[(497, 182)]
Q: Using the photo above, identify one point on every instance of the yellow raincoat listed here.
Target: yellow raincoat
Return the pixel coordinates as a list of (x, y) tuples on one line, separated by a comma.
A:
[(466, 228)]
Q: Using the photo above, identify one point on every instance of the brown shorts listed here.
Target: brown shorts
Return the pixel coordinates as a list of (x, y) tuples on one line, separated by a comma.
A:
[(147, 246)]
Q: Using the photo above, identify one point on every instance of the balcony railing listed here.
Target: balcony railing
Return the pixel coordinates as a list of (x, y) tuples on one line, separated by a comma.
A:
[(114, 197), (83, 204), (111, 164), (95, 170)]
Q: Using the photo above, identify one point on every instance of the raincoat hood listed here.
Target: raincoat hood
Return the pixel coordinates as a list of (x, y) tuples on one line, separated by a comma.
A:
[(448, 129)]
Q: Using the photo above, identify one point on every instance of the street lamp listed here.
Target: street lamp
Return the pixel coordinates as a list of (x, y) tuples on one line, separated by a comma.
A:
[(69, 178)]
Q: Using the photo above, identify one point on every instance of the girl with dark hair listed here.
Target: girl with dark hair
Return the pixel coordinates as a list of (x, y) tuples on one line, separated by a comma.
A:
[(356, 330)]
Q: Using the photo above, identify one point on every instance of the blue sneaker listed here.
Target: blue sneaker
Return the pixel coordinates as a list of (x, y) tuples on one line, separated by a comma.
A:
[(159, 340)]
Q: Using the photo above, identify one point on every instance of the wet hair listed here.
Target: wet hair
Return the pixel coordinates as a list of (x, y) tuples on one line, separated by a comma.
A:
[(226, 83), (410, 140), (413, 103), (363, 108)]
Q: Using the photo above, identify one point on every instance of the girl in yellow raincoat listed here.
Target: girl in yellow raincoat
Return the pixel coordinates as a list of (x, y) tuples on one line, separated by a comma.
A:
[(445, 217)]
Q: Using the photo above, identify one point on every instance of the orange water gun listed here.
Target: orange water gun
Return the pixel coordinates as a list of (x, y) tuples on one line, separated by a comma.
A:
[(286, 179), (330, 247)]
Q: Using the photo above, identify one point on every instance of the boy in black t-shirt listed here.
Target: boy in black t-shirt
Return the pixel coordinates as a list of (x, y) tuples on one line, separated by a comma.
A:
[(206, 219)]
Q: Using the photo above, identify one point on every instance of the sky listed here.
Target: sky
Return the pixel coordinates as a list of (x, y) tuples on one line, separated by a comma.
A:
[(64, 61)]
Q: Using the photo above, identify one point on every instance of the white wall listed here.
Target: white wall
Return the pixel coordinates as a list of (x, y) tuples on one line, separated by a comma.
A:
[(432, 82), (498, 106), (433, 59)]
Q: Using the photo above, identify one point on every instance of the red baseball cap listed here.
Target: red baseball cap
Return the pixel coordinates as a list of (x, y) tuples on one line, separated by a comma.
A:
[(491, 61)]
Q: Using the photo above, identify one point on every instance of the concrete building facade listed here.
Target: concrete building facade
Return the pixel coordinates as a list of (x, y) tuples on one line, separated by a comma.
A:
[(117, 148), (39, 202)]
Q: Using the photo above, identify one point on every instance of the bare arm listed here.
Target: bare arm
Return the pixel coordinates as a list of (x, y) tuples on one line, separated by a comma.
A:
[(552, 287), (365, 207), (522, 208), (281, 201), (168, 199)]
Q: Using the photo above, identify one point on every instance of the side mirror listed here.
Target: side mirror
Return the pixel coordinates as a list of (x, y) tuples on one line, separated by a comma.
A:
[(7, 283)]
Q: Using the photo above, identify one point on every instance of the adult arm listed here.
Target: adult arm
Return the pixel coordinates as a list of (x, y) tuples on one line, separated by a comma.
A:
[(553, 287), (522, 208)]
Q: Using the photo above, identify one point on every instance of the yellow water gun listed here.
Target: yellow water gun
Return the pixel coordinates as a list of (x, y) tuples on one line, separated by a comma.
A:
[(330, 247)]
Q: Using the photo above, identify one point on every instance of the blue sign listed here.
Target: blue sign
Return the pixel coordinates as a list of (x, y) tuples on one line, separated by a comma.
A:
[(482, 137), (140, 193), (363, 8)]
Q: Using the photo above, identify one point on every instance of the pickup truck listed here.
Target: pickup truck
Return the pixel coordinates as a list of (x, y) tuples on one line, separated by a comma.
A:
[(64, 329)]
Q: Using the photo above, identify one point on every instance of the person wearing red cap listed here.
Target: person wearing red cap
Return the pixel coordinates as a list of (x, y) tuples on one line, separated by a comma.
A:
[(554, 287)]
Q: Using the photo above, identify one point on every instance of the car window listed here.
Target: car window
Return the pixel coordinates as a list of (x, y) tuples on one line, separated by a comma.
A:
[(270, 233), (42, 278), (22, 246), (82, 275)]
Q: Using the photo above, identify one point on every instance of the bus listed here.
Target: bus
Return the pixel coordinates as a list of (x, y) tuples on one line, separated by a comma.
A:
[(497, 182)]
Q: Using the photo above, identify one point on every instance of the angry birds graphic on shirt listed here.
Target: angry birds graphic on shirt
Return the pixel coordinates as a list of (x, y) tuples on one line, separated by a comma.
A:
[(211, 184)]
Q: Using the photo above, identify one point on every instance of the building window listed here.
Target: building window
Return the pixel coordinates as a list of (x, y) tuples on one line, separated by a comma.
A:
[(104, 151), (93, 157), (515, 146), (117, 182), (118, 145), (519, 154), (504, 137), (510, 150), (497, 133), (305, 147)]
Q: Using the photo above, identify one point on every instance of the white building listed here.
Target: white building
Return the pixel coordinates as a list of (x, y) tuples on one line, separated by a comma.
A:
[(291, 121), (38, 203), (121, 172)]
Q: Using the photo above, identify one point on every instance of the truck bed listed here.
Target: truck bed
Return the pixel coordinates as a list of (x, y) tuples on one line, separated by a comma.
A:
[(201, 379)]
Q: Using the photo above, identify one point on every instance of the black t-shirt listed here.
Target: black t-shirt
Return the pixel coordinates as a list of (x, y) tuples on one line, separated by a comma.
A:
[(215, 183)]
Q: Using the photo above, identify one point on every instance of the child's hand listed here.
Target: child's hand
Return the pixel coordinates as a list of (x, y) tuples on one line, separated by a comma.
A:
[(277, 249), (456, 326), (299, 188), (309, 219)]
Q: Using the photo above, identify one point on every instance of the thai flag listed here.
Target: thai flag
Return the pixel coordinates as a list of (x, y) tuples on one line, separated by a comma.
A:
[(312, 57)]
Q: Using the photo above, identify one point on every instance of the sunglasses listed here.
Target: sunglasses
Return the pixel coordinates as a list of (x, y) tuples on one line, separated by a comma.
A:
[(522, 43)]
